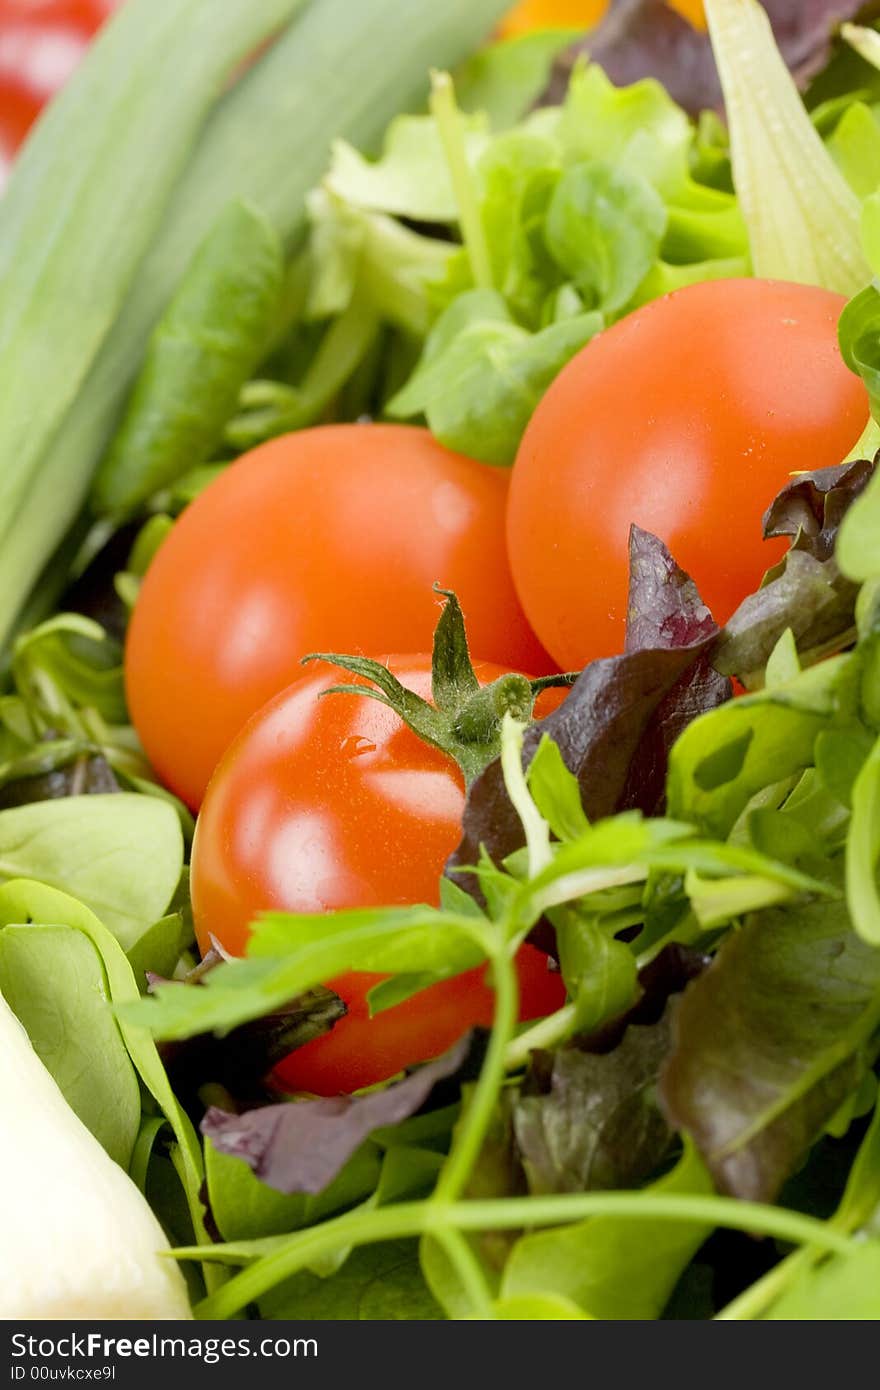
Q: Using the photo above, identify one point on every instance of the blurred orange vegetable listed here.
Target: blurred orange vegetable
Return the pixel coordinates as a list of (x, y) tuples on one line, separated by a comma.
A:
[(577, 14)]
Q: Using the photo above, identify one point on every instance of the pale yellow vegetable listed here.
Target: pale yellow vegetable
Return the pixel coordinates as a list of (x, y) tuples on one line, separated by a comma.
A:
[(77, 1238)]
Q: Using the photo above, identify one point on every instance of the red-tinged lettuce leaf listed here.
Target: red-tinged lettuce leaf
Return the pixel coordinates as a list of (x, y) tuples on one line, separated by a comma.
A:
[(587, 1122), (623, 714), (805, 592), (665, 609), (300, 1146), (586, 1117), (770, 1041), (810, 508), (647, 38)]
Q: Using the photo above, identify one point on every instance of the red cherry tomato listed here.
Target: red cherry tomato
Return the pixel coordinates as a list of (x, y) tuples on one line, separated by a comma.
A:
[(686, 417), (325, 540), (327, 803), (41, 42)]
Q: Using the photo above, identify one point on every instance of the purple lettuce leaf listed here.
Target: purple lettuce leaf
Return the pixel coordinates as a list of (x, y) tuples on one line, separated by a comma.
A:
[(590, 1122), (300, 1146), (805, 592), (586, 1116), (623, 714), (648, 38)]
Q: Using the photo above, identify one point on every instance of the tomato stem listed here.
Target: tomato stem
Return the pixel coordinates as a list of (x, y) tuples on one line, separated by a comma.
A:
[(465, 719), (479, 719)]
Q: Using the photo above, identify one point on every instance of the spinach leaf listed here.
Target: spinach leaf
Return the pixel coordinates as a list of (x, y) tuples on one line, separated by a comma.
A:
[(120, 855), (770, 1041), (23, 901), (53, 979), (202, 351), (158, 949), (537, 1307)]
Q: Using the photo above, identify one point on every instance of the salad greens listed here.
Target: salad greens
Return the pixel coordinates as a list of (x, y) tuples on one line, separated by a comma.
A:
[(703, 869), (568, 219), (53, 980)]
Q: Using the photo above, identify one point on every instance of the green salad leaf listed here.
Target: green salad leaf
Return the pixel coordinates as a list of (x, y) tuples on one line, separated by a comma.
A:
[(505, 79), (53, 978), (377, 1283), (604, 229), (844, 1289), (128, 876), (246, 1208), (613, 1269)]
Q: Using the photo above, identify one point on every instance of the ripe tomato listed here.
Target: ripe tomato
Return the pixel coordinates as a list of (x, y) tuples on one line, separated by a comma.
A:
[(326, 803), (41, 42), (325, 540), (686, 417)]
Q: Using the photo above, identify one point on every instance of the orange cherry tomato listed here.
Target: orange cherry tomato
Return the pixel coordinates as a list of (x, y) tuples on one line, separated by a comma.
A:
[(326, 540), (553, 14), (579, 14), (331, 802), (686, 418)]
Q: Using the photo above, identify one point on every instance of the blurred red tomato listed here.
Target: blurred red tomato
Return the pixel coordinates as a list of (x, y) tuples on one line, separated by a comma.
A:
[(41, 42)]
